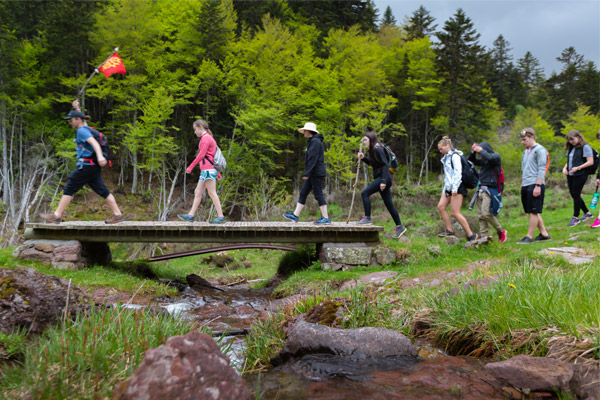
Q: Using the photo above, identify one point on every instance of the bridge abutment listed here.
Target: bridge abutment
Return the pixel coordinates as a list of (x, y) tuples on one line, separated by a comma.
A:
[(65, 254)]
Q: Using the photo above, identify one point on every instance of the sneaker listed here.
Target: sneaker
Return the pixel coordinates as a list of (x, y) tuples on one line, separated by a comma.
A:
[(502, 236), (587, 216), (399, 230), (115, 219), (541, 237), (446, 233), (473, 237), (364, 220), (291, 216), (218, 220), (596, 223), (574, 221), (186, 217), (50, 218), (525, 240), (322, 221)]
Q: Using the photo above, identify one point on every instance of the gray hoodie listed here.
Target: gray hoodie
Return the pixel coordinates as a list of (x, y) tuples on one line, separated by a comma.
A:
[(534, 164)]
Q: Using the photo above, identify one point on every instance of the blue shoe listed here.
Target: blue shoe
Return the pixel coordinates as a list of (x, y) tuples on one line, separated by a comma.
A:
[(291, 216), (399, 230), (574, 221), (323, 221), (185, 217), (218, 220)]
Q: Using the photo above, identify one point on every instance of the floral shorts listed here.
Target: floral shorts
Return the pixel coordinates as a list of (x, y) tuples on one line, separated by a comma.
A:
[(208, 174)]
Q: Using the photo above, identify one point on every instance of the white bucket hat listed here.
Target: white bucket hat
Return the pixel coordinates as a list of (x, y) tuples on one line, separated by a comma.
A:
[(309, 126)]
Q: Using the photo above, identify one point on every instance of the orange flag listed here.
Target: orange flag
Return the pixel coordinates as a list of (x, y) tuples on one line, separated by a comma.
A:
[(114, 65)]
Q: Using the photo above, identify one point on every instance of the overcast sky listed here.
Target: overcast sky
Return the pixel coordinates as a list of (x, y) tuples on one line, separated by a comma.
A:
[(543, 27)]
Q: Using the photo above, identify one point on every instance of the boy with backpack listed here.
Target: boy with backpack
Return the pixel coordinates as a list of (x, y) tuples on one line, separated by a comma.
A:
[(90, 159), (490, 188)]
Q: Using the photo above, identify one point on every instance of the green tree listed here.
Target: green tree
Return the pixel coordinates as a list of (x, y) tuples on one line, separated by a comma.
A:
[(583, 120), (420, 24), (531, 74), (388, 17)]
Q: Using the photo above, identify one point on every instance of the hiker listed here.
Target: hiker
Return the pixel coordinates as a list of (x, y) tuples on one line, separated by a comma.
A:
[(596, 223), (313, 175), (207, 148), (88, 171), (453, 191), (533, 166), (489, 189), (377, 158), (579, 156)]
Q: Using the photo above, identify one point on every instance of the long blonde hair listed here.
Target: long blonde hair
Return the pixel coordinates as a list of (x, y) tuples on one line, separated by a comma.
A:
[(203, 124)]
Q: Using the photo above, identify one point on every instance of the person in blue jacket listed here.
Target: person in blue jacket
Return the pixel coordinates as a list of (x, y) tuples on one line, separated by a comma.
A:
[(313, 175)]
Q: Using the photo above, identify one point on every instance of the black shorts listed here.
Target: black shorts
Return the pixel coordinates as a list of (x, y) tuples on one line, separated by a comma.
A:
[(461, 190), (87, 174), (532, 205)]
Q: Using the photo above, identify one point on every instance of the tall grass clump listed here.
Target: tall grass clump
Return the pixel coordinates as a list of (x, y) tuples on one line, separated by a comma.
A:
[(368, 309), (86, 356)]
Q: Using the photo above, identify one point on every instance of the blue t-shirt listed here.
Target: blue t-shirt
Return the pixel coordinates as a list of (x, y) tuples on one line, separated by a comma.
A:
[(83, 148)]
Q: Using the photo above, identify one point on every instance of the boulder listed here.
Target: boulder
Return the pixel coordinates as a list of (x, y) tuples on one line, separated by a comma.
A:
[(32, 300), (361, 343), (65, 254), (185, 368), (586, 381), (533, 373), (346, 253), (384, 255)]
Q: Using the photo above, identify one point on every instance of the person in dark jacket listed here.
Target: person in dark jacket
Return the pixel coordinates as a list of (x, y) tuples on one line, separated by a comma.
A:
[(313, 175), (579, 157), (488, 192), (377, 158)]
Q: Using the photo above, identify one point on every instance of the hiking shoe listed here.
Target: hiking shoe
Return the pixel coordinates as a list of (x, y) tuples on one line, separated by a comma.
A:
[(399, 230), (186, 217), (525, 240), (596, 223), (541, 237), (446, 233), (502, 236), (364, 220), (473, 237), (322, 221), (218, 220), (115, 219), (291, 216), (50, 218), (574, 221), (587, 216)]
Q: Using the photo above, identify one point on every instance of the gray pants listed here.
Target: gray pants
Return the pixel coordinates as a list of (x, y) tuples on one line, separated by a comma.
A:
[(485, 215)]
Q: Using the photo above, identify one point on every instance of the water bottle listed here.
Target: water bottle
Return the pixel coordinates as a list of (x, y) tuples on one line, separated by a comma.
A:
[(594, 202)]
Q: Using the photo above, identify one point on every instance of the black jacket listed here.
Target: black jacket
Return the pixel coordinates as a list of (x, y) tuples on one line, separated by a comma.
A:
[(314, 160), (380, 164), (490, 163)]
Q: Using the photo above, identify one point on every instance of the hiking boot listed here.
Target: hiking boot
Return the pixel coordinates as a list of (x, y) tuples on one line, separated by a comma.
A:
[(115, 219), (399, 231), (596, 223), (587, 216), (541, 237), (291, 216), (525, 240), (322, 221), (472, 237), (574, 221), (50, 218), (446, 233), (364, 220), (502, 236), (218, 220), (186, 217)]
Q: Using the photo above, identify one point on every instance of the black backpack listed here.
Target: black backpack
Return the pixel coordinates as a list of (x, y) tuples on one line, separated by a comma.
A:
[(591, 170), (392, 159), (470, 176), (103, 142)]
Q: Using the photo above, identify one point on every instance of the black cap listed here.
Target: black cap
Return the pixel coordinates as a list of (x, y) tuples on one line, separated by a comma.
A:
[(75, 114)]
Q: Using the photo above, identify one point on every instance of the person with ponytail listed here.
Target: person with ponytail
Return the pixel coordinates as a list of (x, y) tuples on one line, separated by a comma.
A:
[(453, 191), (579, 156), (377, 158)]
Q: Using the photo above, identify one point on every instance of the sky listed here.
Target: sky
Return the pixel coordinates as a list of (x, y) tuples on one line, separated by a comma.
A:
[(543, 27)]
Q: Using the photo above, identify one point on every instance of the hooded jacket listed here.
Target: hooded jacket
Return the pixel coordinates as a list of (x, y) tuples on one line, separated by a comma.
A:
[(452, 170), (380, 164), (314, 160), (489, 162)]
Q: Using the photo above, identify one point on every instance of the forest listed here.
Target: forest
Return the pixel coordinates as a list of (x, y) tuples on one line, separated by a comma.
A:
[(257, 71)]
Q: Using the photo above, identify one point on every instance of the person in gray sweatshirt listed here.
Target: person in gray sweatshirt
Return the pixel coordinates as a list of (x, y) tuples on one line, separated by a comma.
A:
[(533, 166)]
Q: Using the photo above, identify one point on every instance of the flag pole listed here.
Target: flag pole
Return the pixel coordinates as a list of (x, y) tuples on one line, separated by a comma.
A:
[(81, 92)]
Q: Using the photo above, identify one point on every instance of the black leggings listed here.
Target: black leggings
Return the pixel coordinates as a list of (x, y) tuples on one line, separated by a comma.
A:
[(386, 195), (315, 184), (576, 184)]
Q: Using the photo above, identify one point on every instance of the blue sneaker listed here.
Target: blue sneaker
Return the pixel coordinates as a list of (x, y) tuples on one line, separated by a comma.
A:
[(574, 221), (218, 220), (290, 216), (185, 217), (323, 221)]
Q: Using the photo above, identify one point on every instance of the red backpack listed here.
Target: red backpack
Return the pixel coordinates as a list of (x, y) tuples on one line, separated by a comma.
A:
[(500, 179)]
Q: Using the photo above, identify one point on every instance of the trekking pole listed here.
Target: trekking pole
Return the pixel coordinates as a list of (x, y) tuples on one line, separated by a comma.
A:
[(355, 182)]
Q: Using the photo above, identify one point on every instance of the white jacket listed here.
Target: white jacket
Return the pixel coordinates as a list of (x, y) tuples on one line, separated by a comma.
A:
[(452, 170)]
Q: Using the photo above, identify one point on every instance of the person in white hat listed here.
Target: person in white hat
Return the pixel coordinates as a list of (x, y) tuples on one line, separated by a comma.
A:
[(313, 176)]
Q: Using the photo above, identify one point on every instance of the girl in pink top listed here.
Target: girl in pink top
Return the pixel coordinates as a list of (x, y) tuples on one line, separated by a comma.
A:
[(208, 174)]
